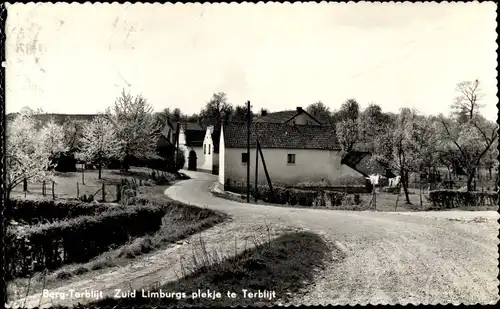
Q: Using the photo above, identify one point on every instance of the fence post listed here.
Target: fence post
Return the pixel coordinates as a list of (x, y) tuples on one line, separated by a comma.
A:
[(43, 188), (103, 192), (77, 190), (53, 193)]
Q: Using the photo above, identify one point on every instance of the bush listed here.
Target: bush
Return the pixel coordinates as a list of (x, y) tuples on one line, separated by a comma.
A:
[(34, 212), (77, 240), (456, 198), (292, 196), (181, 160)]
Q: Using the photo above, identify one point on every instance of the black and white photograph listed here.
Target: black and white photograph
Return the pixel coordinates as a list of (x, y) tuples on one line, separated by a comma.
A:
[(253, 154)]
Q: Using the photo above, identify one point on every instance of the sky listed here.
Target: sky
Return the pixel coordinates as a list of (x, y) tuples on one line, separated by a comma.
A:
[(77, 58)]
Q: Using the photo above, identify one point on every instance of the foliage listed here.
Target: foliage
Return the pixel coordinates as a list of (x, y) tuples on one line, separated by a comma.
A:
[(468, 143), (75, 240), (349, 110), (240, 114), (52, 135), (372, 123), (72, 133), (455, 198), (135, 127), (321, 112), (37, 211), (406, 147), (217, 110), (99, 142), (27, 154), (180, 160), (347, 133)]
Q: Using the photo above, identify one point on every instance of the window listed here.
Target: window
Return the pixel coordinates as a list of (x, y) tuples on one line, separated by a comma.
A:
[(244, 157), (291, 158), (204, 148), (209, 147)]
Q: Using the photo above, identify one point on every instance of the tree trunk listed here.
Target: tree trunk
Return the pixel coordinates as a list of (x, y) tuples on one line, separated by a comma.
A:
[(470, 179), (100, 168), (404, 180), (489, 170)]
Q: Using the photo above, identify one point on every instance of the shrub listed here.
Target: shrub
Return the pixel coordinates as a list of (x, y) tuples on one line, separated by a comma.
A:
[(76, 240), (81, 270), (457, 198), (34, 211), (63, 275)]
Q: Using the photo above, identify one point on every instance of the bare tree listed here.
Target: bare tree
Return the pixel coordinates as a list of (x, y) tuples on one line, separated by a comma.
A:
[(467, 101), (469, 143)]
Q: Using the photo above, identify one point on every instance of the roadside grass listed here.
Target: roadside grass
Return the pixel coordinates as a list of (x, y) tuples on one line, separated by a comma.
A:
[(177, 225), (386, 202), (285, 265)]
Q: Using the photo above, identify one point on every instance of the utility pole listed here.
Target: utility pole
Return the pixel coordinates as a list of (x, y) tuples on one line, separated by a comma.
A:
[(249, 120)]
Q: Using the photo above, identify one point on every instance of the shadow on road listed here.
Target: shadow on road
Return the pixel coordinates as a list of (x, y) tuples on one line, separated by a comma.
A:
[(283, 266)]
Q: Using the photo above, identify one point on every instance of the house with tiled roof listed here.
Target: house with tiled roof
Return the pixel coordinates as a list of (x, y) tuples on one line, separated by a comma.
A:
[(293, 154), (298, 116), (211, 150), (191, 138)]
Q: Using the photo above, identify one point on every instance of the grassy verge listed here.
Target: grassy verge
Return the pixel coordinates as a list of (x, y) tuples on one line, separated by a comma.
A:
[(278, 268)]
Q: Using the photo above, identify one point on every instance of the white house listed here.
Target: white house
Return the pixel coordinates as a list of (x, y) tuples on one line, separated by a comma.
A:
[(293, 154), (211, 151), (191, 138)]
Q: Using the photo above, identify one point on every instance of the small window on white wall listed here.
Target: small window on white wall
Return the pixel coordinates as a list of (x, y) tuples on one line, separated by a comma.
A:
[(291, 158), (244, 157), (209, 147)]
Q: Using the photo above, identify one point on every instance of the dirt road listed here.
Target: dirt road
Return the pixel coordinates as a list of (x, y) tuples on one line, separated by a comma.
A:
[(390, 258)]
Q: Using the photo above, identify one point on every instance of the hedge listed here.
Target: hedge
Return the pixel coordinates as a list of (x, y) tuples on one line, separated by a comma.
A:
[(455, 198), (33, 212), (293, 196), (51, 245)]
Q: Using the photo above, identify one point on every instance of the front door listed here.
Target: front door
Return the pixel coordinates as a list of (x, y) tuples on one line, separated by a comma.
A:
[(192, 161)]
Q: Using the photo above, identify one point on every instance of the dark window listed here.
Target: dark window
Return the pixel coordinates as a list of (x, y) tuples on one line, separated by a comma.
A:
[(209, 147), (204, 148), (244, 157), (291, 158)]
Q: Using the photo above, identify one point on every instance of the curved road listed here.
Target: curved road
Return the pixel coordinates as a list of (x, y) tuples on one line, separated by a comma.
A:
[(388, 258)]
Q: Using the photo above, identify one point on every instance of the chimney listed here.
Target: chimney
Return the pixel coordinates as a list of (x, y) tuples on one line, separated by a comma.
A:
[(299, 109), (263, 112)]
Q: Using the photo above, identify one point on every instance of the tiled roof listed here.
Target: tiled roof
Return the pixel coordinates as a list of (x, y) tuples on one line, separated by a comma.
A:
[(278, 135), (277, 117), (192, 126), (194, 138)]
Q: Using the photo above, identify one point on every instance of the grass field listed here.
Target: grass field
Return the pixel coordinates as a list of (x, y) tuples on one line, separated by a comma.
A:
[(71, 184)]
